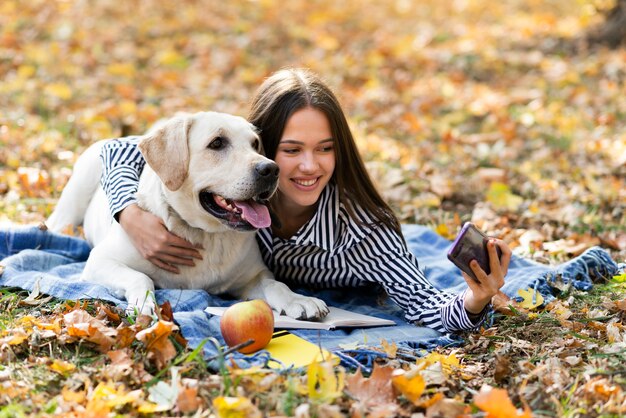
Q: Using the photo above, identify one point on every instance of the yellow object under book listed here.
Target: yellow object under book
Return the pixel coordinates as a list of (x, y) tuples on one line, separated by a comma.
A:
[(293, 351)]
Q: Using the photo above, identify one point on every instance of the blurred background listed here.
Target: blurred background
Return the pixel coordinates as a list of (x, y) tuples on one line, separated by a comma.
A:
[(510, 113)]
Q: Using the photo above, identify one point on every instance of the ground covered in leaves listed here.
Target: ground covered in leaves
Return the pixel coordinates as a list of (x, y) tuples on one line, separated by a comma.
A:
[(490, 111)]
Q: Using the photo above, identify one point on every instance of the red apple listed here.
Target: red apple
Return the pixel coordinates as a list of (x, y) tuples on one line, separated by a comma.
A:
[(252, 319)]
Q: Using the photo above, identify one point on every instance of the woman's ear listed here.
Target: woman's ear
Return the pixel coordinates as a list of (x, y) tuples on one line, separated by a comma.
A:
[(166, 150)]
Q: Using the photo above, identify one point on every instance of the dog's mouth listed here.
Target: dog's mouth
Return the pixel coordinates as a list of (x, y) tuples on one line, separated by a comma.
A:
[(242, 215)]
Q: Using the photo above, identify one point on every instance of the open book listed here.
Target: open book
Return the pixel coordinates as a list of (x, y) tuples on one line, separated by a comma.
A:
[(336, 318)]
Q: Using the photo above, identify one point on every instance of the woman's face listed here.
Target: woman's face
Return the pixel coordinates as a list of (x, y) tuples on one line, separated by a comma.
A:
[(306, 158)]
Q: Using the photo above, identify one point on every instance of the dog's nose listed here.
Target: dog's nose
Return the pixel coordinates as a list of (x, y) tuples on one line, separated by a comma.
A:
[(267, 169)]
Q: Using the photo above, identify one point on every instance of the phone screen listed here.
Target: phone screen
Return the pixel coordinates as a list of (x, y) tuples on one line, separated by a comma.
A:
[(470, 244)]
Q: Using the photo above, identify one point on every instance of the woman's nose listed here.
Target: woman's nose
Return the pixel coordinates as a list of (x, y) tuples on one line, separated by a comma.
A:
[(308, 162)]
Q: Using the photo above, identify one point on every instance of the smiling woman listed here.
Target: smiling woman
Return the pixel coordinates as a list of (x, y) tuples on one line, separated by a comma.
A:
[(331, 227)]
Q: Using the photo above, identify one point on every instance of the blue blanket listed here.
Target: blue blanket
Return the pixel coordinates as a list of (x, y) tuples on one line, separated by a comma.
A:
[(54, 262)]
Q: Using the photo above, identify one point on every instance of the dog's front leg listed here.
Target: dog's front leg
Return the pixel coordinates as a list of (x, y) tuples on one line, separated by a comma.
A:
[(283, 300), (136, 287)]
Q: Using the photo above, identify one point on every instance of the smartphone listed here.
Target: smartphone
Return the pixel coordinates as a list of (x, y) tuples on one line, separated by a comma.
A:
[(471, 244)]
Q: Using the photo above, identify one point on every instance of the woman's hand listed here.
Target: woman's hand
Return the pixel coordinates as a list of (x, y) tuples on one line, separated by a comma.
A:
[(155, 242), (481, 292)]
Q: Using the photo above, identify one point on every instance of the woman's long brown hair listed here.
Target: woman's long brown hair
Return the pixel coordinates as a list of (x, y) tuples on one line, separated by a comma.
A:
[(290, 90)]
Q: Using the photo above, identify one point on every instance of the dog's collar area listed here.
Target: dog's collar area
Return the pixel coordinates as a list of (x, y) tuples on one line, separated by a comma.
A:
[(242, 215)]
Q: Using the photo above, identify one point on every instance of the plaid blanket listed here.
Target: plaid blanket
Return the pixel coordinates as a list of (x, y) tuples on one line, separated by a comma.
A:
[(53, 262)]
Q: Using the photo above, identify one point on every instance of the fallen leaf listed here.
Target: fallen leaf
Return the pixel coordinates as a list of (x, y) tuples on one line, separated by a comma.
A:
[(325, 382), (531, 298), (164, 394), (497, 404), (235, 407), (390, 349), (372, 391), (502, 369), (447, 408), (188, 400), (411, 384), (62, 367), (158, 344), (34, 297)]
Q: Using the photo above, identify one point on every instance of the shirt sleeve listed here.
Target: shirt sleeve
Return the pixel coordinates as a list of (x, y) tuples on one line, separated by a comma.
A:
[(122, 165), (387, 261)]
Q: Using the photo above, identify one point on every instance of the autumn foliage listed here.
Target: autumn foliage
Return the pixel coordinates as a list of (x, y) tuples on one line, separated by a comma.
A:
[(495, 112)]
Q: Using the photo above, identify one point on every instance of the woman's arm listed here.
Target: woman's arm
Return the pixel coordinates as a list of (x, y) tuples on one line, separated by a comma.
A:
[(391, 264), (122, 166)]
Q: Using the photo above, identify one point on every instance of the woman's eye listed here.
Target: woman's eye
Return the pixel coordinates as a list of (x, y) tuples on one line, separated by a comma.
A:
[(217, 143), (290, 150), (327, 149)]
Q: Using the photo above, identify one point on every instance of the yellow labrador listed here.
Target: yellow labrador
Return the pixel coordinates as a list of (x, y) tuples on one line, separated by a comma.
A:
[(205, 177)]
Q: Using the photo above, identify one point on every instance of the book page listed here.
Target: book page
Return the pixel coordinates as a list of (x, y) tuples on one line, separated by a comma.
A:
[(336, 318)]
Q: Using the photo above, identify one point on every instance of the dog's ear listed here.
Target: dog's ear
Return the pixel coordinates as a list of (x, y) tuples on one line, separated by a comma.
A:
[(166, 150)]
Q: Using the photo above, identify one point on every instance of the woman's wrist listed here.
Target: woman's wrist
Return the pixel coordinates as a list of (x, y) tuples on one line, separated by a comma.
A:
[(474, 305), (127, 213)]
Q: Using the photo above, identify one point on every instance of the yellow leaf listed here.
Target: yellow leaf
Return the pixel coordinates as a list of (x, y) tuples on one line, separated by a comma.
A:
[(501, 198), (620, 278), (239, 407), (532, 298), (410, 384), (390, 349), (106, 396), (62, 367), (447, 362), (121, 69), (172, 58), (324, 383), (59, 90), (497, 404), (26, 71), (15, 337)]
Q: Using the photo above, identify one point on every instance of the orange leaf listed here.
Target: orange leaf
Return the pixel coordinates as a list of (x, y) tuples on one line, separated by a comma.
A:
[(188, 400), (410, 384), (497, 404), (158, 344)]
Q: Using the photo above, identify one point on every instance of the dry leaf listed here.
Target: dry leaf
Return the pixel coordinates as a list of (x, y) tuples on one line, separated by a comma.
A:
[(188, 400), (158, 344), (390, 349), (235, 407), (62, 367), (411, 384), (497, 404), (531, 298), (325, 382), (372, 391)]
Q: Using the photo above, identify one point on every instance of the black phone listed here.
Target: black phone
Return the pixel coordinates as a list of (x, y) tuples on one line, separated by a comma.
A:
[(471, 244)]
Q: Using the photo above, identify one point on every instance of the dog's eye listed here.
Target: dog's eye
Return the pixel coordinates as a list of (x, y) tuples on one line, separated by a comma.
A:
[(256, 145), (217, 143)]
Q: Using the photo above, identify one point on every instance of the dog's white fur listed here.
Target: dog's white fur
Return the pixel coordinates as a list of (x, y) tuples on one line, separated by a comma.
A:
[(180, 164)]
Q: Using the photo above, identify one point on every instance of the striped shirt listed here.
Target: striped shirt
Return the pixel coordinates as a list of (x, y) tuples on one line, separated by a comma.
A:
[(331, 250)]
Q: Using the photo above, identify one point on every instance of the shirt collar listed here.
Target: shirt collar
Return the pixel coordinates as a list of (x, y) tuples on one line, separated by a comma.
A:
[(320, 230)]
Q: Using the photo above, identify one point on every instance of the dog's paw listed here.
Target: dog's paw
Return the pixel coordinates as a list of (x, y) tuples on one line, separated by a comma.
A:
[(304, 307), (142, 305)]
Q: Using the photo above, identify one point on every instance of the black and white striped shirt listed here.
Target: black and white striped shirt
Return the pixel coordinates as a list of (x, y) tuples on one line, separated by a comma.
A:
[(331, 250)]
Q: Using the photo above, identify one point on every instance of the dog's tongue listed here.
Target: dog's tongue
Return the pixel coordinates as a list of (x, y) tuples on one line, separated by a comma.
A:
[(255, 213)]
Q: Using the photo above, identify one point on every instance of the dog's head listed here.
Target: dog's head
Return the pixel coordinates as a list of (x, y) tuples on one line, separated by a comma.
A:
[(212, 166)]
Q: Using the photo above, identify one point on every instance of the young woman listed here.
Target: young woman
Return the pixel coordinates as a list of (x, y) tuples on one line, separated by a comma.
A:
[(333, 229)]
